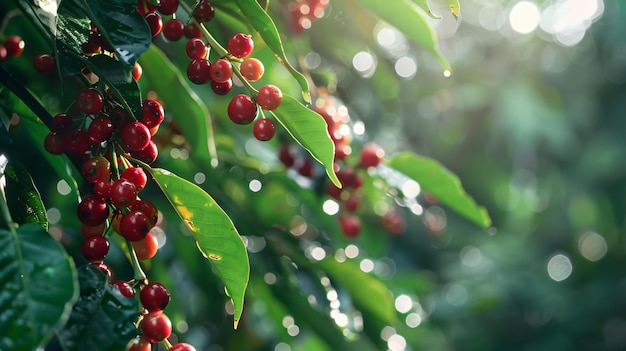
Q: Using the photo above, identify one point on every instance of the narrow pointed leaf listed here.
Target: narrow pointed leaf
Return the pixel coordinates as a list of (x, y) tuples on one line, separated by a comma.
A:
[(263, 23), (310, 131), (216, 236), (441, 183), (23, 197), (38, 287)]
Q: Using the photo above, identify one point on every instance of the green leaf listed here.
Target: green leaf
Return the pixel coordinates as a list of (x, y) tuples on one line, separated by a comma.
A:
[(102, 319), (182, 102), (455, 8), (310, 131), (408, 18), (441, 183), (216, 236), (38, 287), (22, 196), (266, 28), (367, 292), (119, 79), (423, 4)]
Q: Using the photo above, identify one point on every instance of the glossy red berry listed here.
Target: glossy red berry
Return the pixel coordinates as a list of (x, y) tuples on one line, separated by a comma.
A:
[(240, 45), (154, 297), (92, 211), (90, 101), (192, 31), (96, 168), (155, 326), (196, 48), (88, 230), (221, 70), (54, 143), (135, 136), (183, 346), (352, 203), (14, 45), (222, 88), (44, 64), (152, 113), (264, 129), (155, 22), (148, 209), (119, 117), (102, 189), (137, 71), (100, 129), (204, 12), (139, 344), (105, 270), (135, 225), (167, 7), (198, 71), (269, 97), (147, 247), (371, 155), (135, 175), (286, 156), (350, 225), (252, 69), (124, 288), (123, 193), (242, 110), (306, 168), (148, 154), (95, 248), (173, 29), (76, 142)]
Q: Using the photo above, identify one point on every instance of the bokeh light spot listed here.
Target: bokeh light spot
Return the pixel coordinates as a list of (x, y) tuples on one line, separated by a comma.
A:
[(406, 67), (524, 17), (559, 267), (592, 246), (403, 303)]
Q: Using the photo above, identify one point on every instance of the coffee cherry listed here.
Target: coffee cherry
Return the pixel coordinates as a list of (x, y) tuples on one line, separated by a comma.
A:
[(137, 71), (352, 203), (182, 347), (192, 31), (148, 154), (173, 29), (95, 248), (88, 230), (240, 45), (222, 88), (269, 97), (76, 142), (306, 168), (204, 12), (286, 156), (252, 69), (139, 344), (167, 7), (135, 136), (333, 191), (198, 71), (147, 247), (92, 211), (371, 155), (264, 129), (152, 113), (242, 110), (148, 209), (155, 22), (54, 143), (96, 169), (44, 64), (123, 193), (119, 117), (135, 225), (14, 45), (102, 189), (90, 101), (196, 49), (350, 225), (135, 175), (154, 297), (155, 326), (105, 270), (100, 129), (221, 70), (124, 288)]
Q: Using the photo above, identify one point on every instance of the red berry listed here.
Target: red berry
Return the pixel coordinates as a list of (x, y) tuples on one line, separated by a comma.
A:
[(119, 117), (286, 156), (222, 88), (198, 71), (221, 70), (264, 129), (152, 114), (92, 211), (143, 7), (252, 69), (123, 193), (139, 344), (90, 101), (306, 168), (154, 297), (147, 247), (371, 155), (192, 31), (135, 175), (76, 142), (182, 347), (95, 248), (124, 288), (196, 48), (148, 209), (88, 230), (14, 45), (156, 326), (173, 29), (135, 225), (242, 110), (148, 154), (240, 45), (167, 7), (96, 169), (155, 22), (100, 129), (137, 71), (204, 12), (135, 136), (54, 143), (333, 191), (352, 203), (269, 97), (350, 225), (44, 64), (102, 189), (105, 270)]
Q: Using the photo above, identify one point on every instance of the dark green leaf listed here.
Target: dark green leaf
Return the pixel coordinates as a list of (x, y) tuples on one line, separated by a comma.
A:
[(262, 22), (22, 196), (406, 16), (72, 27), (216, 236), (441, 183), (38, 287), (310, 131), (118, 79), (102, 319), (182, 102)]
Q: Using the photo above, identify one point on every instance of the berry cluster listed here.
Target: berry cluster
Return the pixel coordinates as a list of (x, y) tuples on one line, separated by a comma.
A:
[(302, 13), (12, 47)]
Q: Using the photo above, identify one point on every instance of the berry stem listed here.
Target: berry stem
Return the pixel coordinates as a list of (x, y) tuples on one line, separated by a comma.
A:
[(139, 273), (167, 343)]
